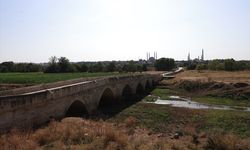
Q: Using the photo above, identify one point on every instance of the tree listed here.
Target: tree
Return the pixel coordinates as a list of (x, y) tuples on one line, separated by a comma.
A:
[(212, 64), (220, 66), (229, 64), (119, 68), (248, 65), (216, 64), (77, 67), (192, 66), (144, 67), (125, 68), (83, 68), (111, 67), (64, 65), (53, 60), (7, 66), (59, 65), (132, 66), (52, 66), (164, 64), (241, 65), (201, 67), (139, 68), (98, 67)]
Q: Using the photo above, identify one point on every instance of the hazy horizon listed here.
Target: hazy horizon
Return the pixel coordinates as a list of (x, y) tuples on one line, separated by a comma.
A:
[(33, 31)]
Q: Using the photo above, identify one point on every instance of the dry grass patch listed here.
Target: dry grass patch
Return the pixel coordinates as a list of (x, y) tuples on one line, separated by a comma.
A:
[(76, 133), (218, 76), (79, 134), (219, 141)]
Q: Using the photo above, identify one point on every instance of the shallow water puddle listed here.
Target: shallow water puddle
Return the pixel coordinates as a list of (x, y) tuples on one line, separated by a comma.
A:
[(176, 101)]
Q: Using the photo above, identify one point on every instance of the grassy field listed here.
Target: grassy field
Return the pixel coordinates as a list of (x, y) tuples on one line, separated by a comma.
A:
[(39, 77), (166, 119), (221, 101)]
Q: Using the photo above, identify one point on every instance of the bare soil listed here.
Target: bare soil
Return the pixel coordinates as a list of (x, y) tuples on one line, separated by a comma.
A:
[(234, 85)]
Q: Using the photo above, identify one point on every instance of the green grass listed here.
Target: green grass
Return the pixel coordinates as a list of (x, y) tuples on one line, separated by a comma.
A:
[(237, 122), (221, 101), (148, 115), (164, 118), (39, 77), (150, 98)]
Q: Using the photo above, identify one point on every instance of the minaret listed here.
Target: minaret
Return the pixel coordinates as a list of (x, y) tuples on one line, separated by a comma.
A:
[(202, 55), (189, 57)]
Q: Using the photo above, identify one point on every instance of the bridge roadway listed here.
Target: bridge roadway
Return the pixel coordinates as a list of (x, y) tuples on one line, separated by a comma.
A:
[(32, 106)]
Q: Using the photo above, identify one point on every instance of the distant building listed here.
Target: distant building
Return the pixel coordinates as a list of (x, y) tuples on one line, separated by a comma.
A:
[(198, 59), (202, 55), (151, 60)]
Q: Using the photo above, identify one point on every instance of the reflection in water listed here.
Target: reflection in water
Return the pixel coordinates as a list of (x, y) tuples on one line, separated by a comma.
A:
[(176, 101)]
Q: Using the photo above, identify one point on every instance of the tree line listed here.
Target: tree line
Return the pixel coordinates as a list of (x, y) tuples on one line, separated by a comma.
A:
[(20, 67), (63, 65), (220, 64)]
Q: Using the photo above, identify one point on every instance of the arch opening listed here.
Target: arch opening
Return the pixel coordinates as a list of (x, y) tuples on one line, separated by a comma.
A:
[(153, 83), (108, 105), (147, 86), (77, 109), (139, 89), (107, 98), (127, 92)]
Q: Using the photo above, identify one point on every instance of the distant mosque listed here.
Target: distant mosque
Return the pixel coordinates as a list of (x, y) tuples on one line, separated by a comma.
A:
[(151, 60), (201, 59)]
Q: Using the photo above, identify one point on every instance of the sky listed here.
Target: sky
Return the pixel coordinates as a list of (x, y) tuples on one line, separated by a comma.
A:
[(98, 30)]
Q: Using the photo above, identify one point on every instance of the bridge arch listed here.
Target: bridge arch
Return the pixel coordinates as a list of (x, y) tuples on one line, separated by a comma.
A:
[(76, 109), (127, 92), (139, 89), (107, 98)]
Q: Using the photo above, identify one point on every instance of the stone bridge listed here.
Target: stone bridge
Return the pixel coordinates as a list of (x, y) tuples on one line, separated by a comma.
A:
[(36, 105)]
